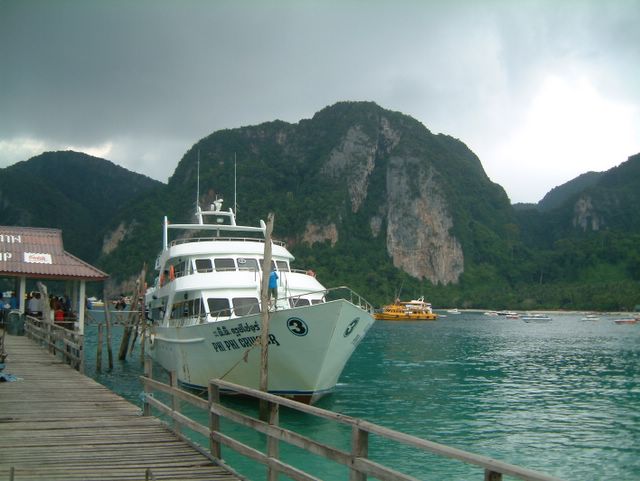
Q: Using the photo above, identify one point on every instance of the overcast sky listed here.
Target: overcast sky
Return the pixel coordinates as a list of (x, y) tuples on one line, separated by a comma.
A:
[(541, 91)]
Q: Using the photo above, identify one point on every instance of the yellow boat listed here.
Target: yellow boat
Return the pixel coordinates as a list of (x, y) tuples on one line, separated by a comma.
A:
[(415, 310)]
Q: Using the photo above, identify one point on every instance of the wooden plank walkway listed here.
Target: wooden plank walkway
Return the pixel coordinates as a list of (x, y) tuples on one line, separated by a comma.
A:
[(56, 424)]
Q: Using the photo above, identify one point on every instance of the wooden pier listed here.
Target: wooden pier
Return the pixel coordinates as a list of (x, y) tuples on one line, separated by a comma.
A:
[(56, 424)]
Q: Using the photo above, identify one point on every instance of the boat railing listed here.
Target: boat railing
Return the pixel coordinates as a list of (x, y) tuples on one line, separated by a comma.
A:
[(363, 434), (332, 294), (340, 292), (176, 242)]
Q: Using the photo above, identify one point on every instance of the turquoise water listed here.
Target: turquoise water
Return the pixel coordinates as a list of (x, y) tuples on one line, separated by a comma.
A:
[(562, 397)]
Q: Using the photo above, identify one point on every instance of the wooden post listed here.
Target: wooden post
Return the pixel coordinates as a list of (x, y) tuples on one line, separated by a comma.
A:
[(265, 302), (148, 372), (80, 342), (128, 328), (214, 420), (492, 475), (273, 445), (99, 350), (107, 322), (359, 449), (175, 400)]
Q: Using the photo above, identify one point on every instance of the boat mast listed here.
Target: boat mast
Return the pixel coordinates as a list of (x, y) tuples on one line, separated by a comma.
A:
[(235, 190), (198, 183)]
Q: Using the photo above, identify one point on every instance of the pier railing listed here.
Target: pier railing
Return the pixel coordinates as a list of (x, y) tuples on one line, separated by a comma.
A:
[(356, 460), (58, 340)]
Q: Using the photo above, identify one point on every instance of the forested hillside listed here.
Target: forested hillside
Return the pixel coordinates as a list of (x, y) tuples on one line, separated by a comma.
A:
[(366, 197), (72, 191)]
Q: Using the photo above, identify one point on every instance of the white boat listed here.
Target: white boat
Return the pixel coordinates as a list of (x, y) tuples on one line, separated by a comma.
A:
[(591, 317), (535, 318), (206, 312), (455, 310)]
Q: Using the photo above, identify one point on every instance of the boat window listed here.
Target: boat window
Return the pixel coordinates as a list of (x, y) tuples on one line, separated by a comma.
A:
[(178, 310), (273, 264), (224, 264), (297, 302), (316, 301), (194, 308), (181, 269), (283, 266), (243, 306), (203, 265), (219, 306), (245, 264)]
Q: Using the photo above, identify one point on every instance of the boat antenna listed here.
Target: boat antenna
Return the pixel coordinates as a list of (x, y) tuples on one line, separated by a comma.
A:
[(235, 190), (198, 182)]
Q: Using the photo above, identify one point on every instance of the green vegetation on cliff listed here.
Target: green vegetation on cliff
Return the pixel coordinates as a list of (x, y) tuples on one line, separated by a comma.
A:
[(338, 174)]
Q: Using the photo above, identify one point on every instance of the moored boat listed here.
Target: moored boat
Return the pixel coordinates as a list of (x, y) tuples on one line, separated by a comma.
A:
[(414, 310), (591, 317), (537, 317), (207, 313), (627, 321)]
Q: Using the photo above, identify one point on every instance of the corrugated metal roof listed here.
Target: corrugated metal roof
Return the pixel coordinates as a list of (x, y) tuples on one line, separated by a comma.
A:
[(39, 252)]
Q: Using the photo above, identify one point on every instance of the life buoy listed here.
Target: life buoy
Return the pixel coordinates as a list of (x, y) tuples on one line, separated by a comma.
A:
[(172, 273)]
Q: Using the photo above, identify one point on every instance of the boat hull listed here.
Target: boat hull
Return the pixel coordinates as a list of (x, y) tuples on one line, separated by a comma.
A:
[(308, 349)]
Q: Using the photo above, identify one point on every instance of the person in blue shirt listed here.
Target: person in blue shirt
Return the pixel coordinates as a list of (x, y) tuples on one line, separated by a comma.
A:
[(273, 284)]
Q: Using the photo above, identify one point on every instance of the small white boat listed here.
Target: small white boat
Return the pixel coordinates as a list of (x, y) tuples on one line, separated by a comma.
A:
[(207, 312), (591, 317), (536, 318), (453, 311), (491, 313), (627, 321)]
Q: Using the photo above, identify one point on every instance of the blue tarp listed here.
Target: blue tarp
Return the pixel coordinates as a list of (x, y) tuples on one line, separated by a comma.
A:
[(4, 377)]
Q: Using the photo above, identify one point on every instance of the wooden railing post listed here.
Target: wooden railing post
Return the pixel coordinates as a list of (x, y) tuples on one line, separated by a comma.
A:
[(148, 373), (99, 350), (359, 449), (80, 342), (492, 475), (214, 420), (273, 445), (175, 401)]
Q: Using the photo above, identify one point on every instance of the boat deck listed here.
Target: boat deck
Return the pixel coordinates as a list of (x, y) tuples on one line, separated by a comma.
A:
[(56, 424)]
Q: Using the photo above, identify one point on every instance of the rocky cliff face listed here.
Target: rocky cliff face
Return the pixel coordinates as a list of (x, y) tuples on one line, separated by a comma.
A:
[(418, 221), (584, 215), (418, 226)]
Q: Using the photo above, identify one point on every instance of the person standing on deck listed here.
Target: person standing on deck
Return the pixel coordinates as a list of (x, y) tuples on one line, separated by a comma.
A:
[(273, 284)]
